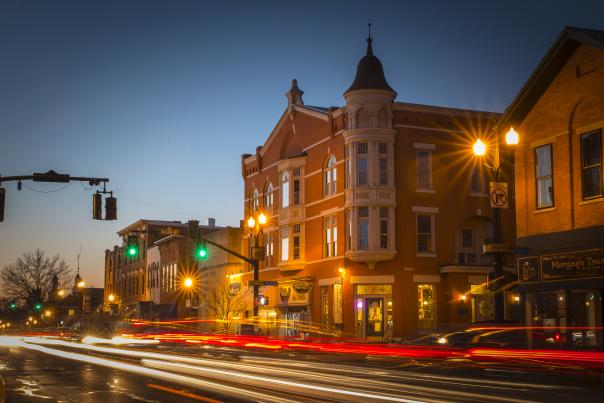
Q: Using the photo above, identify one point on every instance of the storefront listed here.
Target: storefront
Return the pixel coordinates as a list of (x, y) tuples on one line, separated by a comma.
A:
[(373, 311), (563, 292)]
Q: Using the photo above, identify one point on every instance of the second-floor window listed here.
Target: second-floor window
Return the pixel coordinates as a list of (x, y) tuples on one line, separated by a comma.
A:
[(330, 176), (425, 234), (424, 169), (383, 227), (285, 189), (477, 180), (591, 165), (255, 202), (269, 245), (348, 230), (284, 244), (543, 176), (296, 239), (330, 231), (363, 225)]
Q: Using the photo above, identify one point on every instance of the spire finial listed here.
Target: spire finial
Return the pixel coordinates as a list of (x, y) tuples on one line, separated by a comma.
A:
[(369, 40)]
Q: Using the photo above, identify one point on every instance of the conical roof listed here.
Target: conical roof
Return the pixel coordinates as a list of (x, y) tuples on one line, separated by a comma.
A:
[(370, 73)]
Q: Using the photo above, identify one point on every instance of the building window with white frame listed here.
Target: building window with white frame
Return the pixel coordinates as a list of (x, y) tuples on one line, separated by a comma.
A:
[(284, 244), (425, 234), (268, 198), (330, 177), (477, 180), (591, 165), (296, 243), (255, 201), (296, 189), (424, 169), (543, 176), (284, 189), (362, 164), (330, 231), (384, 227), (363, 225), (270, 249), (348, 229)]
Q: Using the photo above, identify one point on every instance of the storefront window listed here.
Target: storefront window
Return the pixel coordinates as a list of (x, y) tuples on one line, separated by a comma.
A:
[(426, 307)]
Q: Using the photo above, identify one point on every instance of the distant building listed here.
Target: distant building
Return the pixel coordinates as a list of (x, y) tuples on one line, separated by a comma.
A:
[(559, 192), (387, 191), (128, 281)]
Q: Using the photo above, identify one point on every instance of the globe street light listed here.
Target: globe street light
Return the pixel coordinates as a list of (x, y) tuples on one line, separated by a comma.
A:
[(111, 298), (188, 282), (497, 249), (257, 252)]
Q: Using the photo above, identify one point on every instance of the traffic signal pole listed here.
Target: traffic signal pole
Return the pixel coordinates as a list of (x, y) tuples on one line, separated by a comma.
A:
[(54, 177)]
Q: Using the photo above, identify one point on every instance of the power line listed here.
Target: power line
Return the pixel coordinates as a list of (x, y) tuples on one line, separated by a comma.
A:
[(46, 191)]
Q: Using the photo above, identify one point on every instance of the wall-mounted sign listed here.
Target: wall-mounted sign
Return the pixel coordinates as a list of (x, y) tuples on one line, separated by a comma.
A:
[(528, 270), (498, 193), (337, 304), (573, 265), (301, 287)]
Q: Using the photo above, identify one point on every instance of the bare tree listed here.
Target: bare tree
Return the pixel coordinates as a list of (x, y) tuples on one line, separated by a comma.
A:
[(226, 303), (30, 277)]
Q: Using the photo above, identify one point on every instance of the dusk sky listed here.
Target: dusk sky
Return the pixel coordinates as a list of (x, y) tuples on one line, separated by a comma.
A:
[(164, 97)]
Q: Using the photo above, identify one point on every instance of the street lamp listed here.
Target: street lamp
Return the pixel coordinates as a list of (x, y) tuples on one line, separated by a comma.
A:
[(111, 298), (81, 284), (257, 252), (61, 293), (496, 248), (188, 282)]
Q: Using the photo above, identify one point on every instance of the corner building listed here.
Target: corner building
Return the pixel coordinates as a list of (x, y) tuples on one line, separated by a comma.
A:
[(377, 213)]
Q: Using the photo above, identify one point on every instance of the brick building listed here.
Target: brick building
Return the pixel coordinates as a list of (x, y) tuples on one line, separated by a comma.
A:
[(559, 196), (377, 213), (137, 284)]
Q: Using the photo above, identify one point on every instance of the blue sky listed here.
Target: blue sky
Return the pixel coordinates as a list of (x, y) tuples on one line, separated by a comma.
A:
[(164, 97)]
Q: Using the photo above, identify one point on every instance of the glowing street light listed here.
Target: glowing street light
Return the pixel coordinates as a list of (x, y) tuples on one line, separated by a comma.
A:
[(251, 223), (47, 313), (81, 284), (61, 293), (188, 282), (480, 148), (262, 219), (511, 138), (111, 297)]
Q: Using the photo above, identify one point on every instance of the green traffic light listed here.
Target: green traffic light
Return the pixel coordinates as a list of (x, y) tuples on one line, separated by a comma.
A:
[(38, 306), (202, 252), (132, 251), (13, 306)]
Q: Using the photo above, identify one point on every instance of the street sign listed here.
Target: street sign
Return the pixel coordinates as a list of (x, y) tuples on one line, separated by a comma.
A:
[(262, 283), (495, 248), (498, 193), (521, 250)]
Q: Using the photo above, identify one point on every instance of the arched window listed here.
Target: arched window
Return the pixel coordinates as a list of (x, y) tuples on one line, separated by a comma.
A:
[(285, 189), (330, 177), (362, 118), (268, 198), (254, 201)]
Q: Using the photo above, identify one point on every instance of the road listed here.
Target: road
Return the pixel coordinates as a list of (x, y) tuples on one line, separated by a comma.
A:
[(39, 369)]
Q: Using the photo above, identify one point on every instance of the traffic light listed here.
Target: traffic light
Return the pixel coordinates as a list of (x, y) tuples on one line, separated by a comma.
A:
[(132, 246), (201, 250), (2, 198), (13, 305), (111, 208), (38, 306), (97, 206)]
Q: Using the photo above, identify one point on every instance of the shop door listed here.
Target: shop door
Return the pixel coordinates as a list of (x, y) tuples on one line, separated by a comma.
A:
[(374, 314)]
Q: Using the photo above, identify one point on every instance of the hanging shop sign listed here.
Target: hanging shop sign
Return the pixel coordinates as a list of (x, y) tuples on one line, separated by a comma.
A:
[(573, 265), (284, 294), (528, 269), (301, 286)]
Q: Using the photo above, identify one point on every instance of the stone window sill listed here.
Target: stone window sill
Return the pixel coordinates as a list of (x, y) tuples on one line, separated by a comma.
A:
[(544, 210), (426, 255), (591, 201), (425, 190)]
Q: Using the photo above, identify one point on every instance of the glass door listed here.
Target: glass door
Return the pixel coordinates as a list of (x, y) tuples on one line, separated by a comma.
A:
[(374, 312)]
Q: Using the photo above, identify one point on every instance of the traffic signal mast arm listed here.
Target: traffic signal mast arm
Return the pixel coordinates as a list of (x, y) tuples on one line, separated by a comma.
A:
[(52, 176), (240, 256)]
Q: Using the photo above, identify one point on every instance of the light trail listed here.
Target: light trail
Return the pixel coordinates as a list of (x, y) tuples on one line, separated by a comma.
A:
[(365, 383), (201, 370), (240, 393)]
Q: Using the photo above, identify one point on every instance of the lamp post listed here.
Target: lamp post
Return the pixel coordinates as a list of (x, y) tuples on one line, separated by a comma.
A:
[(496, 248), (257, 252)]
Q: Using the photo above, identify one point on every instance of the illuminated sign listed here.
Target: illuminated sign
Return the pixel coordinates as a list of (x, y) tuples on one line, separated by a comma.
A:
[(573, 265)]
